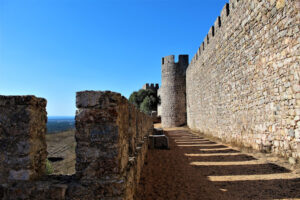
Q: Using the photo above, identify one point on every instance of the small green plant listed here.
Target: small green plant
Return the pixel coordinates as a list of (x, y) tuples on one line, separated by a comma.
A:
[(49, 168)]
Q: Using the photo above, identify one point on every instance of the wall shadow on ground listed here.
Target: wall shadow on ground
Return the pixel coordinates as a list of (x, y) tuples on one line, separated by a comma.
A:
[(169, 174)]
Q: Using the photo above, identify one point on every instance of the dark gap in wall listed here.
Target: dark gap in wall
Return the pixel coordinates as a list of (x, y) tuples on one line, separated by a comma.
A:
[(227, 9), (61, 146)]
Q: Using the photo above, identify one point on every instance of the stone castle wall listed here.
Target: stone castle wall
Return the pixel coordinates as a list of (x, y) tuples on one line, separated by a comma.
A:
[(23, 149), (112, 142), (111, 136), (243, 83), (173, 91)]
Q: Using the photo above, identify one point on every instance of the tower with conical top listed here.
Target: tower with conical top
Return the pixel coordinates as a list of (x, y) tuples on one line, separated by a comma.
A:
[(173, 91)]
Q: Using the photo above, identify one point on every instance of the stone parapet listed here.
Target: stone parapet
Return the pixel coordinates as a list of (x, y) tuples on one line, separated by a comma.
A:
[(111, 136), (112, 142), (23, 149)]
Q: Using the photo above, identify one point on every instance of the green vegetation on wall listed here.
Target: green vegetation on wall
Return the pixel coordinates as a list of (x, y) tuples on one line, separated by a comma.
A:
[(49, 168)]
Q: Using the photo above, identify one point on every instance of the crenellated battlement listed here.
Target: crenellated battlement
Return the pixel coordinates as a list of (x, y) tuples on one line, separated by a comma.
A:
[(241, 82), (183, 59), (111, 145), (168, 59), (216, 28), (151, 86), (223, 21)]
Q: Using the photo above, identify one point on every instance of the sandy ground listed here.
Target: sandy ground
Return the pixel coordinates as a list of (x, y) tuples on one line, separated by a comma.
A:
[(198, 168), (62, 146)]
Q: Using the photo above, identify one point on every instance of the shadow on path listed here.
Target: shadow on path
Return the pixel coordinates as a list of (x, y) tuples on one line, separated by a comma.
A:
[(196, 168)]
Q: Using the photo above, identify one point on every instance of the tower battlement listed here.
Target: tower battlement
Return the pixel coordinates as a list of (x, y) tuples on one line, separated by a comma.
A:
[(184, 59), (151, 86)]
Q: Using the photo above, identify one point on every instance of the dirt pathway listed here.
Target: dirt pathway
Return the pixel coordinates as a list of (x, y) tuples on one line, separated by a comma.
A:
[(197, 168)]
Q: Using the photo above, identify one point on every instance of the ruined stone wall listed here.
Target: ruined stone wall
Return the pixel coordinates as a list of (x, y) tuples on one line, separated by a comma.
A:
[(22, 138), (173, 91), (243, 83), (112, 142), (111, 137)]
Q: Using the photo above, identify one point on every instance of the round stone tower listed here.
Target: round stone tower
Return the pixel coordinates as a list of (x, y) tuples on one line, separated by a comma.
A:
[(173, 91)]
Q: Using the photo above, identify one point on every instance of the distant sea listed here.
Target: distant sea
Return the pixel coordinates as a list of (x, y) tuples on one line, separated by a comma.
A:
[(57, 124), (61, 117)]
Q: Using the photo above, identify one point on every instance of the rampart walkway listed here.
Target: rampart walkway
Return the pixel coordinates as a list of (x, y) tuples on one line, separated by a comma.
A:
[(197, 168)]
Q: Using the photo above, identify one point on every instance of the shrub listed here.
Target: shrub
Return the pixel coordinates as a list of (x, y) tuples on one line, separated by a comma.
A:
[(146, 106), (145, 100), (49, 168)]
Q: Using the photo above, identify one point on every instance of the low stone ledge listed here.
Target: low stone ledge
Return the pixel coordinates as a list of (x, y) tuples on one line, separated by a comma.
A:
[(158, 131), (158, 142), (64, 188)]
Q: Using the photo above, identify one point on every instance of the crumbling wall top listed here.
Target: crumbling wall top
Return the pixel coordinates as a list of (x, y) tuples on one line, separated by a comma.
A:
[(88, 99), (22, 100)]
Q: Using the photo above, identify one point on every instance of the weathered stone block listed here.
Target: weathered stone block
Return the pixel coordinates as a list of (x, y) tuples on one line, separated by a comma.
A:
[(158, 131), (155, 117), (22, 137), (58, 191), (158, 142), (108, 130)]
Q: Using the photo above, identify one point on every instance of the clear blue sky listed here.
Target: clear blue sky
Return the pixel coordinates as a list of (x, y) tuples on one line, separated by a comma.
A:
[(53, 48)]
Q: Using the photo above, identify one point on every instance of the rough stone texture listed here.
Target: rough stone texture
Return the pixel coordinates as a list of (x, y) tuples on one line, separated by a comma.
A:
[(243, 83), (111, 135), (23, 149), (173, 91), (112, 143)]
